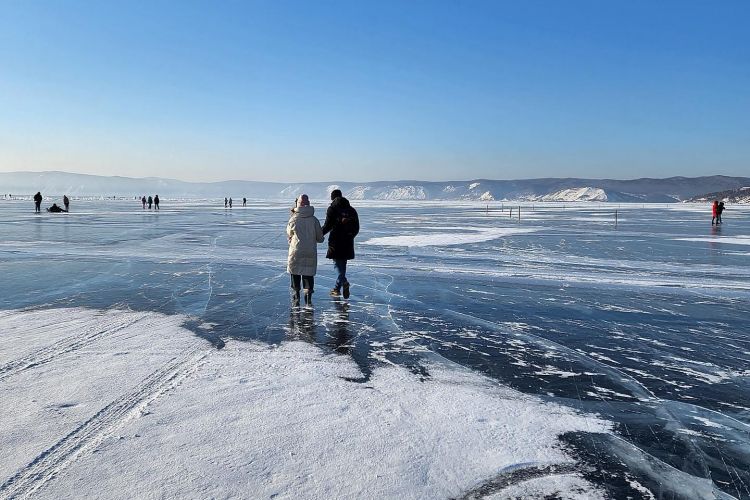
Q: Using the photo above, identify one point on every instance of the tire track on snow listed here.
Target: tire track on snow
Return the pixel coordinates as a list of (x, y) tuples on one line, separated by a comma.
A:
[(96, 429), (68, 344)]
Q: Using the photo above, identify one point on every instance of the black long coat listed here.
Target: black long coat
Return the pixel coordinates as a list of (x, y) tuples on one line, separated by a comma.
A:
[(342, 221)]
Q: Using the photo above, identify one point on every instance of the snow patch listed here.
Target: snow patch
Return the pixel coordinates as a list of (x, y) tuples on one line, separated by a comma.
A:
[(402, 193), (252, 420), (447, 239), (577, 194), (731, 240), (291, 191), (557, 486), (358, 192), (486, 196)]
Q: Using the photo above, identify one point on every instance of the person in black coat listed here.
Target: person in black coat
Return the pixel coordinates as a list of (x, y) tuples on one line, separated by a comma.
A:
[(342, 221), (66, 202), (38, 202), (156, 202)]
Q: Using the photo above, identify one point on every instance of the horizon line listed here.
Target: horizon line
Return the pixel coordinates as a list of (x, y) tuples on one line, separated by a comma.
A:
[(368, 182)]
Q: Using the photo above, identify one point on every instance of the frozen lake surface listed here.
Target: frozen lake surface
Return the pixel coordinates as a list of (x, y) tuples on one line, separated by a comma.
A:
[(156, 353)]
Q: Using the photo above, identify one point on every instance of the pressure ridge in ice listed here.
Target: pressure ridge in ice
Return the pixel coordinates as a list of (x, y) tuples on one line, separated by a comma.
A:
[(125, 405)]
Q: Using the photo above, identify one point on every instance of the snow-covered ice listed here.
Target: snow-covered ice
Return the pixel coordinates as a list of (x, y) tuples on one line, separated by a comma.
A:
[(148, 354), (729, 240), (457, 237), (286, 421)]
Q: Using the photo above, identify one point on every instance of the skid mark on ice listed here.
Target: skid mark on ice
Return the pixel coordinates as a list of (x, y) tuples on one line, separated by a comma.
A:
[(69, 344), (517, 474), (91, 433)]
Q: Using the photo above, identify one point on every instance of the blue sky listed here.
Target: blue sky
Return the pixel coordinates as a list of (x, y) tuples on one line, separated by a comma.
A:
[(376, 90)]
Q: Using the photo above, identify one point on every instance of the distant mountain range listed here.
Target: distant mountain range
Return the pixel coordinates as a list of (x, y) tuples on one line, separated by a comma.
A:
[(672, 189)]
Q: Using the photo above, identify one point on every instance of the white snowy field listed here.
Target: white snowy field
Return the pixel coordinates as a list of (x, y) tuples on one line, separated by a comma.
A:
[(585, 350), (118, 404)]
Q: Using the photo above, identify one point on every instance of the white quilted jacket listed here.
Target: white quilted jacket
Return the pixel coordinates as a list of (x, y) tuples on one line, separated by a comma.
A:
[(304, 234)]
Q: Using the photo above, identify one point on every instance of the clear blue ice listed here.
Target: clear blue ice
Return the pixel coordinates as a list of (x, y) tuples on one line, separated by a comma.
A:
[(644, 322)]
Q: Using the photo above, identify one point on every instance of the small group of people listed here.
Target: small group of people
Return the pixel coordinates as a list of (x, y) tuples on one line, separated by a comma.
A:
[(55, 208), (305, 232), (716, 210), (228, 202), (150, 201)]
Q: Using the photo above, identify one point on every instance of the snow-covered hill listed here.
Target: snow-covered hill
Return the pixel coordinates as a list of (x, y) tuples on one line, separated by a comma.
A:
[(672, 189), (741, 195), (576, 194)]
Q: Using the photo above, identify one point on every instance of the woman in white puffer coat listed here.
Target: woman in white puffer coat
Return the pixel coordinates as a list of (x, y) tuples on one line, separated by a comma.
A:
[(304, 234)]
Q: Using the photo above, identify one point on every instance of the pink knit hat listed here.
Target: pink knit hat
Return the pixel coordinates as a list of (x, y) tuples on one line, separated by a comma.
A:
[(304, 201)]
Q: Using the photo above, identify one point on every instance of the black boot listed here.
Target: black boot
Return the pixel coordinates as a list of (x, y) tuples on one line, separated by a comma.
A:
[(295, 297), (308, 297)]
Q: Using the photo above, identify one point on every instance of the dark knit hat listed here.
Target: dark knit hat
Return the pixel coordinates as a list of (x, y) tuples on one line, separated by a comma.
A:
[(336, 193), (304, 201)]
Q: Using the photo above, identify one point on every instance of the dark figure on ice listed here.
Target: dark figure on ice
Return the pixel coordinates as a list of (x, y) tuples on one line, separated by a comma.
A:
[(230, 202), (55, 209), (38, 202), (244, 202), (66, 202), (226, 202), (304, 233), (143, 200), (719, 211), (715, 212), (342, 222), (150, 201), (156, 201)]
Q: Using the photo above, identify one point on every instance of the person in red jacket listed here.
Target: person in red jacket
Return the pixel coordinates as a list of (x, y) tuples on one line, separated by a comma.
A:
[(715, 212)]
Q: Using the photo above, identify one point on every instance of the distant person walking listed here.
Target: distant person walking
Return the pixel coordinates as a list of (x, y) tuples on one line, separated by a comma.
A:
[(719, 211), (66, 202), (715, 212), (342, 221), (304, 233), (226, 202), (150, 201), (230, 202), (244, 202), (143, 200), (38, 202), (156, 201)]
